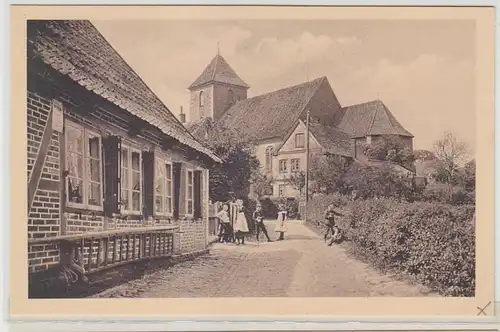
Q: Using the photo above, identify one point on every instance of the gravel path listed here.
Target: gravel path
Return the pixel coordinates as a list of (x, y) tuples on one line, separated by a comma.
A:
[(300, 266)]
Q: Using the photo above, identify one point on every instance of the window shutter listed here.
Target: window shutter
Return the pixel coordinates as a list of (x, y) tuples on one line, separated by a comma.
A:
[(182, 191), (176, 178), (197, 194), (111, 148), (148, 176)]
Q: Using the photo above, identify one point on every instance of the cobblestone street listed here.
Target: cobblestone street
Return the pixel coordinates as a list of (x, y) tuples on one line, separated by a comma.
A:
[(300, 266)]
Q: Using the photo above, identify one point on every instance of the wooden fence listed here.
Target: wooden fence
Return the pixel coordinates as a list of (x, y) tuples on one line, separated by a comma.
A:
[(213, 221)]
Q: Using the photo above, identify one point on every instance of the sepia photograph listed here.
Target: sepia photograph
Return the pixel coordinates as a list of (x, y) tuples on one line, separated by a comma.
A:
[(266, 158)]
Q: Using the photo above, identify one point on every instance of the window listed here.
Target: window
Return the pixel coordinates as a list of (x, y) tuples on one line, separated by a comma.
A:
[(84, 166), (163, 188), (269, 158), (283, 166), (190, 192), (282, 190), (131, 185), (201, 100), (230, 97), (299, 140), (295, 165)]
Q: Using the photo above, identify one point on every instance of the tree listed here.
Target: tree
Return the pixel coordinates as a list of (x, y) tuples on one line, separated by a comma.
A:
[(297, 180), (424, 155), (262, 184), (379, 181), (467, 176), (389, 148), (450, 154), (232, 178), (328, 173)]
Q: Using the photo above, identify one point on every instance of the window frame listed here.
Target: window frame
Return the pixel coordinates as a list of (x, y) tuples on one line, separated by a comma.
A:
[(201, 99), (85, 168), (130, 191), (187, 192), (297, 169), (281, 190), (285, 163), (269, 158), (297, 135), (161, 162)]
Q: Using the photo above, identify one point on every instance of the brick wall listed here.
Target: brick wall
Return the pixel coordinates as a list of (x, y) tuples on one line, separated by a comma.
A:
[(192, 235), (44, 218), (42, 256)]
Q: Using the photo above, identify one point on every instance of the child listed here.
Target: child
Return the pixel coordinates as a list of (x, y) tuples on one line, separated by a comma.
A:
[(281, 225), (223, 216), (330, 214), (259, 223), (241, 225)]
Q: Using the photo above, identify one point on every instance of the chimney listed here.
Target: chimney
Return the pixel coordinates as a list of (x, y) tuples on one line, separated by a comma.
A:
[(182, 116)]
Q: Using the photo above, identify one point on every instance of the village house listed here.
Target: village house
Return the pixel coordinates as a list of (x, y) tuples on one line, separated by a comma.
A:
[(274, 123), (113, 176)]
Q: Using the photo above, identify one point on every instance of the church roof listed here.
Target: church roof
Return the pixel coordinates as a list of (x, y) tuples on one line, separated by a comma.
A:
[(218, 70), (75, 48), (333, 140), (272, 114), (370, 118)]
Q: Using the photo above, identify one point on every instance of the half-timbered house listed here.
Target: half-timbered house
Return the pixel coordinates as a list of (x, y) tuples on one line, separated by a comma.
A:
[(113, 176)]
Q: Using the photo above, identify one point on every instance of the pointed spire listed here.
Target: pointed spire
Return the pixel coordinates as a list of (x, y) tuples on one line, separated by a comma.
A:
[(218, 70), (218, 51)]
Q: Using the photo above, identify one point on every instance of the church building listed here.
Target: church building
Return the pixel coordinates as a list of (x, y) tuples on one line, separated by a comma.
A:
[(274, 122)]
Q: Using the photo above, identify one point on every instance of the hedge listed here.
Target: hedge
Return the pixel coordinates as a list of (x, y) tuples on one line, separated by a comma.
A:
[(433, 243)]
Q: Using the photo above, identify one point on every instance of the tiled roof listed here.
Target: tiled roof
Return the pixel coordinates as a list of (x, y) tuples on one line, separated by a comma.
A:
[(272, 114), (218, 70), (333, 140), (76, 48), (200, 128), (370, 118)]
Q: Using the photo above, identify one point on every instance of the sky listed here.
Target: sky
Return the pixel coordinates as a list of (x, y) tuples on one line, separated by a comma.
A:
[(423, 70)]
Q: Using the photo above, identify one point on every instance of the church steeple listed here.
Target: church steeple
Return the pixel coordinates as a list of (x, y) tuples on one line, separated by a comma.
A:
[(216, 90), (218, 71)]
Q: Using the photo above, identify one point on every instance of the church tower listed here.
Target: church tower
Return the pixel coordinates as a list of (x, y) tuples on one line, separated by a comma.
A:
[(215, 90)]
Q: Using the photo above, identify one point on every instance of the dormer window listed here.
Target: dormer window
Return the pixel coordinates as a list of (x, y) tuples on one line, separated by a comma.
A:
[(201, 100)]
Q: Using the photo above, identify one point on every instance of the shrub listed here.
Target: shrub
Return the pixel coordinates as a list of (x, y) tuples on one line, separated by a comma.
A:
[(432, 242)]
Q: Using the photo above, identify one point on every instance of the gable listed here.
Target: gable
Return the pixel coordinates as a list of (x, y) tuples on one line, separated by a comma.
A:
[(289, 143), (323, 105)]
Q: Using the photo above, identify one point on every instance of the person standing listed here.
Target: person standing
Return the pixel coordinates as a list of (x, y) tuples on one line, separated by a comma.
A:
[(330, 214), (241, 224), (259, 223), (281, 224), (223, 216)]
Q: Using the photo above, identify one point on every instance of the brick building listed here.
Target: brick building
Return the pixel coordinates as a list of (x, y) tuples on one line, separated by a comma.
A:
[(113, 176), (219, 95)]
